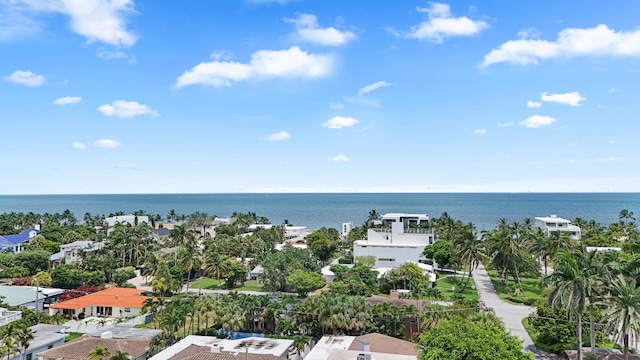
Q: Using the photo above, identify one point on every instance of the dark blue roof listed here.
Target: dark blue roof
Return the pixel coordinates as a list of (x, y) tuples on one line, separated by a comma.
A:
[(15, 239)]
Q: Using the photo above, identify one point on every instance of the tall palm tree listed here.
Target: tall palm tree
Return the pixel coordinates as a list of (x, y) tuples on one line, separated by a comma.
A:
[(98, 353), (470, 250), (622, 310), (577, 279), (189, 258)]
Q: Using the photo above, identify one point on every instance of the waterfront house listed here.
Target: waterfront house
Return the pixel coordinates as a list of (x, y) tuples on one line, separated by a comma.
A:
[(551, 223), (396, 241)]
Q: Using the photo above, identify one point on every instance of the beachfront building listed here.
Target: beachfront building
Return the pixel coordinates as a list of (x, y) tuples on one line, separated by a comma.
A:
[(132, 220), (551, 223), (15, 242), (207, 347), (396, 241), (346, 229), (70, 253), (109, 303)]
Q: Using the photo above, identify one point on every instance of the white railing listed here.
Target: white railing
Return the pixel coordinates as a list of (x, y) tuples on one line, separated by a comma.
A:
[(10, 316)]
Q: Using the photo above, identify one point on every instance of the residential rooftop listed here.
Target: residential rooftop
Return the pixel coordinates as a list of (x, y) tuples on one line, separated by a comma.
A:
[(123, 297)]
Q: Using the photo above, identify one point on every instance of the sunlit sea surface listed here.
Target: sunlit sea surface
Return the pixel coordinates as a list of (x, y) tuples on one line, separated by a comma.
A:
[(331, 210)]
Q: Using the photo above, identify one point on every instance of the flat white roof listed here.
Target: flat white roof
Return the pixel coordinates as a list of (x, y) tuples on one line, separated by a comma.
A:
[(264, 346), (387, 244), (390, 216), (327, 344), (553, 218), (338, 354)]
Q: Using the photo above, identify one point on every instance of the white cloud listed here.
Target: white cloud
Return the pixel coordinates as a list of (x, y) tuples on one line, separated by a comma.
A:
[(122, 108), (96, 20), (106, 143), (221, 55), (67, 100), (339, 158), (480, 131), (106, 54), (529, 33), (361, 100), (613, 90), (27, 78), (78, 145), (441, 24), (264, 64), (307, 30), (505, 124), (571, 42), (374, 86), (336, 106), (279, 136), (610, 158), (339, 122), (533, 104), (536, 121), (572, 98)]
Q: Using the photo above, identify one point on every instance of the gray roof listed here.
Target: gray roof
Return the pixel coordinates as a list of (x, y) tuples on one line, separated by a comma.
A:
[(127, 331), (45, 334), (20, 295)]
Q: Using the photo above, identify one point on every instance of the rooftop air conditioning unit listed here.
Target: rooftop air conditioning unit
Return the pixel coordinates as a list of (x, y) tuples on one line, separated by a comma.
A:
[(364, 357)]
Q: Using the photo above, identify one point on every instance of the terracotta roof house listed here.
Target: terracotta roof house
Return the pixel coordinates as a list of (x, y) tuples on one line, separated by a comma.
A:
[(121, 337), (113, 302), (79, 348)]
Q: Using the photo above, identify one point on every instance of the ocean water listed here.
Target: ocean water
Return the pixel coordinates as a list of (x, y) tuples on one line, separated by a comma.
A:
[(331, 210)]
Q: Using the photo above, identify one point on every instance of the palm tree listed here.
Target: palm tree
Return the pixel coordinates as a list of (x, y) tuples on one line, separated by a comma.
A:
[(189, 258), (538, 245), (577, 278), (373, 216), (120, 355), (622, 310), (98, 353), (470, 250), (626, 216), (180, 235)]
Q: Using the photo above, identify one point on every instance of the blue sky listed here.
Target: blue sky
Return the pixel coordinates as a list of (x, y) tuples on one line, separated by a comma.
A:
[(123, 96)]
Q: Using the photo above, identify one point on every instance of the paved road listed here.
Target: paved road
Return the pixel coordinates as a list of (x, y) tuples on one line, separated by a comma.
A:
[(510, 314)]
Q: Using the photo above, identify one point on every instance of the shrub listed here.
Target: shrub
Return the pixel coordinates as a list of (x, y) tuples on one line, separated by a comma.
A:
[(23, 281)]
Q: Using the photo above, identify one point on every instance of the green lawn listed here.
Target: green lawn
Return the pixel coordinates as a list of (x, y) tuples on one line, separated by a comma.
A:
[(531, 289), (447, 283), (250, 285), (72, 336), (207, 284)]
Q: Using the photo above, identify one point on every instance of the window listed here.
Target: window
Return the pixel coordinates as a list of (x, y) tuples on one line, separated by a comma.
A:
[(29, 356), (127, 309), (386, 259), (105, 310)]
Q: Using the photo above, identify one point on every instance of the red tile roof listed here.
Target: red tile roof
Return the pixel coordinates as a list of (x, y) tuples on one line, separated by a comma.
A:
[(122, 297)]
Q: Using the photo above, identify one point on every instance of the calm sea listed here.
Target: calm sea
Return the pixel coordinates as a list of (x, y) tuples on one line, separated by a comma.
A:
[(331, 210)]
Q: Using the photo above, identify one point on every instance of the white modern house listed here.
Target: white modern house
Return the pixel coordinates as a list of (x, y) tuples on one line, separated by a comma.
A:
[(396, 242), (132, 220), (552, 223), (346, 229), (210, 348)]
